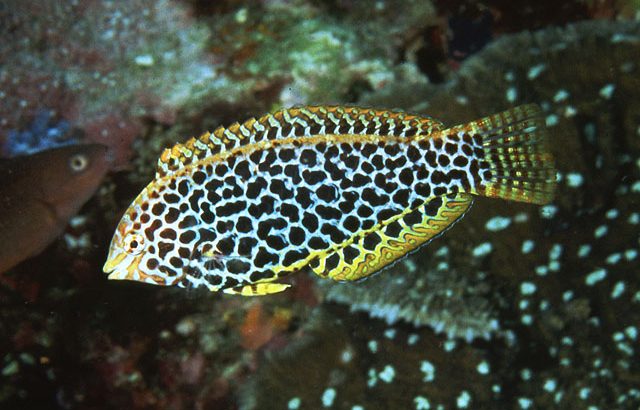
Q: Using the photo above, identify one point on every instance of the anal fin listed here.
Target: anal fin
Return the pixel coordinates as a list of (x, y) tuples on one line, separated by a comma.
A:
[(398, 236), (257, 289)]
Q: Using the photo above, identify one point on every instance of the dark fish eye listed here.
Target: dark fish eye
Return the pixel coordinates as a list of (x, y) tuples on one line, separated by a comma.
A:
[(133, 244), (78, 162)]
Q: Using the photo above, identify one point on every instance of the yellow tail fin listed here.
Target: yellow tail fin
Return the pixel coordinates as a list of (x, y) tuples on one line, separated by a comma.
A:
[(514, 145)]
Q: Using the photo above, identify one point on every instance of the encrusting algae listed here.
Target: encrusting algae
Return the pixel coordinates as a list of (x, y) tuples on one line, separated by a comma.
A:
[(343, 190)]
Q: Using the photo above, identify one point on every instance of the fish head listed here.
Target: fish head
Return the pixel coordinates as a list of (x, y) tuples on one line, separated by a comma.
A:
[(137, 252), (71, 174)]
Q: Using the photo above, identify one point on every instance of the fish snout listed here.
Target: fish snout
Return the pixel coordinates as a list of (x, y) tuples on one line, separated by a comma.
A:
[(119, 265)]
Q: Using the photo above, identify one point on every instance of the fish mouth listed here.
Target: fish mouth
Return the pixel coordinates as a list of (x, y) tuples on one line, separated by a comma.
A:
[(114, 268)]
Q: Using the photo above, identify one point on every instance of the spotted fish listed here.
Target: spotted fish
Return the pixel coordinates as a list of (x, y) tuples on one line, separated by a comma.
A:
[(344, 191)]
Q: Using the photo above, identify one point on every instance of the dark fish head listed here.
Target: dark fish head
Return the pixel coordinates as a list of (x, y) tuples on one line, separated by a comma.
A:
[(71, 175)]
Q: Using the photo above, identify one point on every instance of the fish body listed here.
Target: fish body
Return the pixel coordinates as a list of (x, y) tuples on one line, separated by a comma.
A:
[(343, 190), (39, 194)]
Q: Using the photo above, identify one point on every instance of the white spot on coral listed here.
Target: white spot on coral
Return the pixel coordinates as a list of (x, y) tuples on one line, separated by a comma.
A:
[(373, 377), (511, 94), (544, 305), (561, 95), (357, 407), (600, 231), (422, 403), (555, 252), (584, 393), (241, 15), (373, 346), (570, 111), (618, 290), (145, 60), (535, 71), (449, 345), (606, 92), (595, 277), (548, 211), (634, 218), (463, 400), (552, 120), (526, 320), (410, 264), (390, 333), (483, 249), (328, 397), (584, 250), (612, 213), (631, 332), (497, 223), (412, 339), (527, 246), (347, 355), (527, 288), (524, 403), (462, 99), (542, 270), (630, 254), (442, 251), (623, 38), (567, 295), (521, 217), (550, 385), (483, 367), (574, 179), (614, 258), (294, 404), (387, 374), (509, 76), (429, 371), (525, 374)]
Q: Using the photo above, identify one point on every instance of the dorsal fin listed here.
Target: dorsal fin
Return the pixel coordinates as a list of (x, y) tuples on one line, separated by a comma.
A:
[(295, 123)]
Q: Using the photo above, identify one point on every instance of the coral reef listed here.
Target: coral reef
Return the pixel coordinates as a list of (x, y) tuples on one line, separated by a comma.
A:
[(104, 66), (42, 134), (554, 289), (344, 361), (427, 289), (565, 271)]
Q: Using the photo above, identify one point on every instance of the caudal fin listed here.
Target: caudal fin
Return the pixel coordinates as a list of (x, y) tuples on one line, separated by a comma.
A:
[(515, 147)]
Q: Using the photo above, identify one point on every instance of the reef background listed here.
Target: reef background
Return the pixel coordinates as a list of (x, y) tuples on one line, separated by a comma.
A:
[(516, 307)]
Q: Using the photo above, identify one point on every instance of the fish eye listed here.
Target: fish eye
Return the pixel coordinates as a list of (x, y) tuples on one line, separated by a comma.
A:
[(134, 244), (78, 162)]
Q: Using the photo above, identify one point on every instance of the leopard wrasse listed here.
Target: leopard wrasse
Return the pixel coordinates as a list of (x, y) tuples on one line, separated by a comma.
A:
[(343, 191)]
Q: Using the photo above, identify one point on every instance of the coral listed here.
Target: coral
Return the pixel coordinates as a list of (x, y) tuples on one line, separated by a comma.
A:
[(559, 281), (42, 134), (565, 271), (316, 58), (345, 361), (104, 65), (426, 289)]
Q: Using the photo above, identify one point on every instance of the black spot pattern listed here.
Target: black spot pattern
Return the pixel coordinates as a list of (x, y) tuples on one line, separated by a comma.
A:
[(268, 208)]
